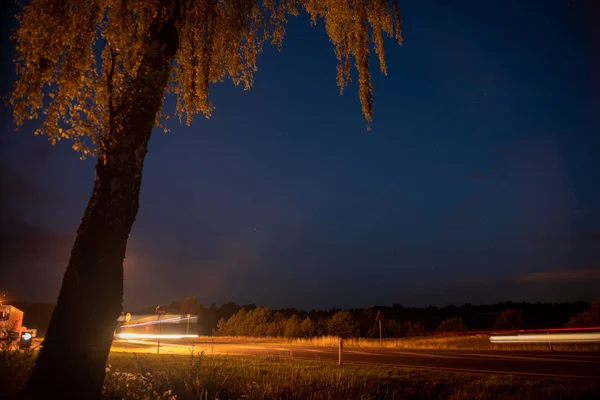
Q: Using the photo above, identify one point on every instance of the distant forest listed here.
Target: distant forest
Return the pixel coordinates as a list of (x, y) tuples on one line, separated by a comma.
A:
[(250, 319)]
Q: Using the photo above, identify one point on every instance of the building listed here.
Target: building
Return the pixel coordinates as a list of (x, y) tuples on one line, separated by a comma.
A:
[(11, 319)]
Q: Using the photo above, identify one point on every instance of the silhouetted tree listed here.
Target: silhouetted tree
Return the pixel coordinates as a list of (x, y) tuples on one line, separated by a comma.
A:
[(276, 327), (258, 322), (454, 324), (174, 307), (510, 319), (207, 320), (307, 328), (588, 318), (366, 320), (393, 329), (222, 328), (98, 71), (343, 325), (190, 306), (227, 309), (411, 328), (293, 327), (373, 331), (321, 326)]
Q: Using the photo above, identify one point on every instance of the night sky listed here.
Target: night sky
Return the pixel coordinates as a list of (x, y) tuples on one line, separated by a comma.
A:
[(479, 181)]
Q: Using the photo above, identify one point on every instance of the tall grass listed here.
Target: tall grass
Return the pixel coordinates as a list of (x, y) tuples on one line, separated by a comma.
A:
[(198, 376), (433, 342), (445, 342), (211, 377)]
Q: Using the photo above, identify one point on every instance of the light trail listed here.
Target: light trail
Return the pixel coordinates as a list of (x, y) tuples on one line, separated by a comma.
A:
[(162, 321), (153, 336), (498, 331), (592, 337)]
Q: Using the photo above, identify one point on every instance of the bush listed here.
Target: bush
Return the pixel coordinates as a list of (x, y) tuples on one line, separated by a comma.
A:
[(393, 329), (588, 318), (125, 385), (510, 319), (412, 328), (454, 324)]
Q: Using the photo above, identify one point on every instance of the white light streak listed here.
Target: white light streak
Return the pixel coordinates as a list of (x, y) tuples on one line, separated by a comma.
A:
[(591, 337), (153, 336)]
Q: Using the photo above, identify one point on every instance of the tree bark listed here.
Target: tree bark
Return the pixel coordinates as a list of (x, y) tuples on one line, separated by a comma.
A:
[(72, 361)]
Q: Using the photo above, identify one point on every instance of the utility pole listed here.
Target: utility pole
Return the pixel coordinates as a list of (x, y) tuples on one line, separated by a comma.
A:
[(158, 343), (341, 349), (159, 311), (188, 324), (379, 318)]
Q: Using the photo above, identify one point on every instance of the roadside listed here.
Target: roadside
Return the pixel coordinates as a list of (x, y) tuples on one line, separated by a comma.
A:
[(480, 342), (196, 374), (276, 377)]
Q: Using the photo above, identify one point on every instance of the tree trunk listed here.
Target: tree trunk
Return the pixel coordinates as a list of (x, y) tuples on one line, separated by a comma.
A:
[(73, 357)]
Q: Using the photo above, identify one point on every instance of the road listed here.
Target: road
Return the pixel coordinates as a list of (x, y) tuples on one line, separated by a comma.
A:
[(545, 364)]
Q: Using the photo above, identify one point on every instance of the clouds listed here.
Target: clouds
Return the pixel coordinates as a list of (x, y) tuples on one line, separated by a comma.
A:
[(563, 276)]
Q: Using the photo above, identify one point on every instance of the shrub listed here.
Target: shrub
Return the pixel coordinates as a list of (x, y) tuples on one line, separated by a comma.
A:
[(413, 328), (588, 318), (454, 324), (126, 385), (510, 319)]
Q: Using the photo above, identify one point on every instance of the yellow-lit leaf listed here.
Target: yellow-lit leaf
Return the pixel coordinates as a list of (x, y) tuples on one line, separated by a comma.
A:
[(58, 45)]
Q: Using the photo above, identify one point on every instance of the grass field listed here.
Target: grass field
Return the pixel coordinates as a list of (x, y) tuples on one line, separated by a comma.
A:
[(446, 342), (212, 377), (150, 376), (442, 342)]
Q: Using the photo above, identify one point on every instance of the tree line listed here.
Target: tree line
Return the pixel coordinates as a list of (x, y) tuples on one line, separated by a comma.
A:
[(398, 319), (264, 322), (231, 319)]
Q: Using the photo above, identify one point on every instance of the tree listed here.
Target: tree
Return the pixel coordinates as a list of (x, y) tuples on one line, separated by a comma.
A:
[(293, 328), (510, 319), (98, 72), (190, 306), (588, 318), (222, 329), (366, 320), (412, 328), (454, 324), (343, 325), (392, 329), (307, 328), (174, 307), (276, 328), (257, 322)]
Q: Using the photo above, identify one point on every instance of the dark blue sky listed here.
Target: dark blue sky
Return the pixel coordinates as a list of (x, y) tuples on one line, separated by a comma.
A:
[(479, 181)]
